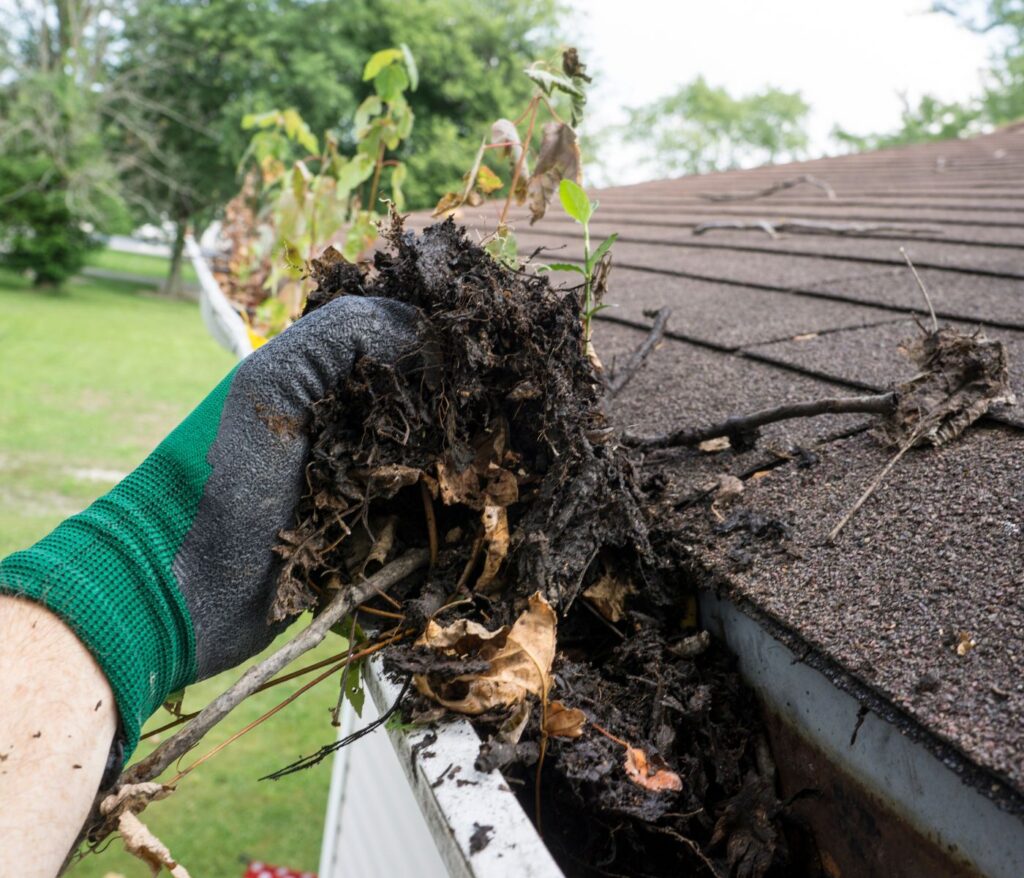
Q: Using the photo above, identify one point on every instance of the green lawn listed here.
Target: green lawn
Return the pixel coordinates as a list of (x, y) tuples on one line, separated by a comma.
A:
[(138, 264), (90, 380)]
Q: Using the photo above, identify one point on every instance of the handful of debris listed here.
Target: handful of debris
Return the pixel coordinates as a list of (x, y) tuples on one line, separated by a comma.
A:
[(546, 614)]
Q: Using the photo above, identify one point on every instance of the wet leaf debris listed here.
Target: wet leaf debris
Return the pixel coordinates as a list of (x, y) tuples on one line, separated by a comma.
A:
[(552, 614)]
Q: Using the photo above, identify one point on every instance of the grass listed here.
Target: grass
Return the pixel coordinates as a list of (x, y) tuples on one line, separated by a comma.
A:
[(91, 379), (137, 264)]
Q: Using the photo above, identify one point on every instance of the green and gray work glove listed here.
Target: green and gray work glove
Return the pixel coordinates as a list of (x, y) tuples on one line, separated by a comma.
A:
[(168, 579)]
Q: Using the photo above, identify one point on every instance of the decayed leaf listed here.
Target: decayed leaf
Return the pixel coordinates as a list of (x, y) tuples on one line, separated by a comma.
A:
[(564, 722), (487, 181), (608, 595), (961, 377), (559, 160), (638, 768), (120, 809), (519, 660), (965, 643), (496, 541), (713, 446), (140, 842), (386, 481), (503, 131), (448, 202)]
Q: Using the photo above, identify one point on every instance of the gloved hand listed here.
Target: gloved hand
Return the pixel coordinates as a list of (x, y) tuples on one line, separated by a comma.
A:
[(168, 578)]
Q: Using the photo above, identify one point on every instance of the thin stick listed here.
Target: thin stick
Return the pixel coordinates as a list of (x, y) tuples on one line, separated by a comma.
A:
[(623, 376), (342, 604), (810, 227), (532, 109), (830, 193), (871, 489), (428, 511), (344, 674), (882, 404), (924, 292)]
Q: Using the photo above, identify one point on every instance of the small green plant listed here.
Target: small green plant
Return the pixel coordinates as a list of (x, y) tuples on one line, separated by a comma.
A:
[(310, 194), (578, 205)]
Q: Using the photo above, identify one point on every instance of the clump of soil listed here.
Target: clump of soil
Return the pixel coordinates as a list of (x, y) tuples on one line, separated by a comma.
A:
[(490, 445)]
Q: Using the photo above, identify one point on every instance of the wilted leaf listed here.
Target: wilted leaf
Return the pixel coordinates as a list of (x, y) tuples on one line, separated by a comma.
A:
[(384, 541), (564, 722), (449, 201), (559, 160), (651, 774), (608, 596), (487, 181), (519, 660), (550, 81), (504, 131), (386, 481), (140, 842), (503, 247)]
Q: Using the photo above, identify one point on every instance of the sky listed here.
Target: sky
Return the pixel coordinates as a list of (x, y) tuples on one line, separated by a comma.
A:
[(849, 58)]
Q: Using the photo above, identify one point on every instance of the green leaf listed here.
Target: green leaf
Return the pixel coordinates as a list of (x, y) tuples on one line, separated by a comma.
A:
[(503, 247), (603, 248), (300, 181), (351, 173), (361, 234), (372, 106), (549, 81), (379, 60), (563, 266), (398, 175), (292, 256), (575, 201), (355, 694), (391, 82), (297, 129), (260, 120), (410, 66)]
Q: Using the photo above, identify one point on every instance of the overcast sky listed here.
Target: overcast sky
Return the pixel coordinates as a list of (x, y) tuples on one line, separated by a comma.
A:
[(849, 58)]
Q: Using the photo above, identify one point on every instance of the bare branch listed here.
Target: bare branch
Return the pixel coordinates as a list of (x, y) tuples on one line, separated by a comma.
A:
[(623, 376), (740, 425), (771, 190), (812, 227), (924, 291)]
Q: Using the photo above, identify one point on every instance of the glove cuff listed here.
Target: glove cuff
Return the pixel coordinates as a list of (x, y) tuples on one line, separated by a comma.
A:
[(107, 572)]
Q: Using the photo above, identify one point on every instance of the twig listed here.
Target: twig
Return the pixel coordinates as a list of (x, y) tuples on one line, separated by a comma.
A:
[(428, 511), (871, 488), (623, 376), (771, 190), (924, 291), (183, 741), (810, 227), (882, 404)]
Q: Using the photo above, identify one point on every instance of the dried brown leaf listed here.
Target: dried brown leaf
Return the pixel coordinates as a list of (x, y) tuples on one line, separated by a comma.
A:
[(448, 202), (961, 377), (503, 131), (140, 842), (559, 159), (564, 722), (713, 446), (496, 542), (639, 769), (608, 596), (519, 661), (383, 543), (386, 481)]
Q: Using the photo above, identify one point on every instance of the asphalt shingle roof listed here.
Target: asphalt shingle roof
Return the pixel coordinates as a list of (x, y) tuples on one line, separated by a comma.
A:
[(759, 321)]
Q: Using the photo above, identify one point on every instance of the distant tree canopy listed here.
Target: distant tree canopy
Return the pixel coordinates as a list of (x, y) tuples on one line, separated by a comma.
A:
[(167, 82), (702, 128), (1001, 101)]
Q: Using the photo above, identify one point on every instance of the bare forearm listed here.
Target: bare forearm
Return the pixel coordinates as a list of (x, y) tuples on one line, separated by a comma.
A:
[(57, 722)]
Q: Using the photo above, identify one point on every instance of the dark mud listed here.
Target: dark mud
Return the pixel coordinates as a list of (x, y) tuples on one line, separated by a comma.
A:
[(501, 414)]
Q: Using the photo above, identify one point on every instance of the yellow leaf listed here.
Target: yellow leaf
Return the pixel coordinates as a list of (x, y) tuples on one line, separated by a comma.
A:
[(487, 181)]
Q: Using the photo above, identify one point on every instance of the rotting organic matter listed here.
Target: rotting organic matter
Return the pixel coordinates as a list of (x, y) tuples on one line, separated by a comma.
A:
[(533, 509)]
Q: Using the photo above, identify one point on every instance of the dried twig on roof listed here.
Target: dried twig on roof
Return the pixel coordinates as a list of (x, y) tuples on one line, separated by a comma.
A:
[(636, 360), (811, 227), (807, 179)]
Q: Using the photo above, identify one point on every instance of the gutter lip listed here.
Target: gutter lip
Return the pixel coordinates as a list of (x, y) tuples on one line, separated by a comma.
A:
[(1002, 791)]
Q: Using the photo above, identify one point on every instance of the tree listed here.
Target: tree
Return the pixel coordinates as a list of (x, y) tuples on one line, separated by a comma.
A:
[(197, 69), (701, 128), (1001, 101), (57, 184)]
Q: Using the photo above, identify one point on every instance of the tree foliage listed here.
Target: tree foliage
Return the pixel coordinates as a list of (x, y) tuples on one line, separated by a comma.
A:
[(701, 128), (58, 185), (1001, 100)]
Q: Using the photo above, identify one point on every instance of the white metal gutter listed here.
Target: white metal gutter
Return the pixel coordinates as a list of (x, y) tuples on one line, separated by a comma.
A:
[(902, 772), (222, 321), (401, 804)]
